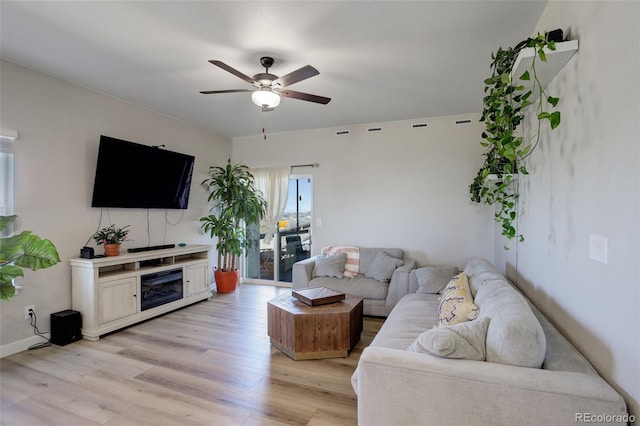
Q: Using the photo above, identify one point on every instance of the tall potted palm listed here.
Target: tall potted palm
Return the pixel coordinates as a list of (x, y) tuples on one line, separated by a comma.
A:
[(24, 250), (236, 203)]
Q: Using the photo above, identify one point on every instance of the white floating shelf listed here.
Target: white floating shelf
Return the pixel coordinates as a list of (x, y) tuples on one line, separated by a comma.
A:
[(494, 177), (494, 180), (546, 71)]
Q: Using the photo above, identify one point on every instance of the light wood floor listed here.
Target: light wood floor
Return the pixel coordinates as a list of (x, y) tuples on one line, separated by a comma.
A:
[(208, 364)]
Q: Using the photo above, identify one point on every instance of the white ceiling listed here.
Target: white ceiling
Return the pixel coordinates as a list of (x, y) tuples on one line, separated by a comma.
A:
[(378, 61)]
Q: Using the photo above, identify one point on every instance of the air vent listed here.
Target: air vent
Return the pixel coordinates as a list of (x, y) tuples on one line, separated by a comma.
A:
[(419, 125), (342, 132), (467, 121), (374, 129)]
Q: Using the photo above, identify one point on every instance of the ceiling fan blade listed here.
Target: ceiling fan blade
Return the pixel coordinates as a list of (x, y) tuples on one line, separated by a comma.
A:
[(211, 92), (304, 96), (296, 76), (232, 71)]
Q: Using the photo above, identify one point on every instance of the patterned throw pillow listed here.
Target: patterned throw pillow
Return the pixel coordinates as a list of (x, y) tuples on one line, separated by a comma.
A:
[(352, 264), (456, 303)]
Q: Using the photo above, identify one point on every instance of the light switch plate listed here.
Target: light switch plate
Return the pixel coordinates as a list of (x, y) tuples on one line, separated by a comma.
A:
[(598, 248)]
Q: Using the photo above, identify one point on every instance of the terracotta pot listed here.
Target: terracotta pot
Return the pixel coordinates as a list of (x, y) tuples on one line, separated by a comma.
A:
[(226, 282), (112, 249)]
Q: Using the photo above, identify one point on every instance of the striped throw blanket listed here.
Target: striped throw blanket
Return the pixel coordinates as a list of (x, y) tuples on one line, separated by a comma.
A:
[(353, 258)]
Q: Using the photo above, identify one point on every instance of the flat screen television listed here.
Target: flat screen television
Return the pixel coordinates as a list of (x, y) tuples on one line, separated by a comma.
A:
[(132, 175)]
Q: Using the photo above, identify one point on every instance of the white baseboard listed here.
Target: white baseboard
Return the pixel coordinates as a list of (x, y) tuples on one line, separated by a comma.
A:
[(21, 345)]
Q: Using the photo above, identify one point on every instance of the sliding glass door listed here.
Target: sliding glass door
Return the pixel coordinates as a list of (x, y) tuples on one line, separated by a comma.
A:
[(291, 242)]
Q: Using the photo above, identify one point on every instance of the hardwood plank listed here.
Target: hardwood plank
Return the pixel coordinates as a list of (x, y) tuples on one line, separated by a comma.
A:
[(198, 366), (85, 405), (328, 418), (210, 363), (259, 420), (163, 400), (37, 412)]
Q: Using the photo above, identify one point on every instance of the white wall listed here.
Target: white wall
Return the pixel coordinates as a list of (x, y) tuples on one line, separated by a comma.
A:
[(584, 180), (59, 127), (401, 187)]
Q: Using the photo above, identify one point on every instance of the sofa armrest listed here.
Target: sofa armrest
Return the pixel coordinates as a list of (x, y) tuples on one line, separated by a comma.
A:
[(399, 284), (402, 387), (302, 273)]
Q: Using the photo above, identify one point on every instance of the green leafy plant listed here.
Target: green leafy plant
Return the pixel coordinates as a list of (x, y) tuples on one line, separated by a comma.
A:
[(236, 203), (505, 102), (25, 250), (111, 235)]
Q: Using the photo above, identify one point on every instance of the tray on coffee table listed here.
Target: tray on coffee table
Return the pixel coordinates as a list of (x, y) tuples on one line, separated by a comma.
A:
[(318, 296)]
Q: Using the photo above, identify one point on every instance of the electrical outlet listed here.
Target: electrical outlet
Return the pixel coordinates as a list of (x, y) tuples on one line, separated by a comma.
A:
[(27, 309)]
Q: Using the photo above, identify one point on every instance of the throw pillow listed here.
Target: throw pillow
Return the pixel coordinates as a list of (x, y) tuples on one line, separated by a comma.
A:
[(330, 266), (383, 267), (461, 341), (352, 265), (456, 303), (432, 279)]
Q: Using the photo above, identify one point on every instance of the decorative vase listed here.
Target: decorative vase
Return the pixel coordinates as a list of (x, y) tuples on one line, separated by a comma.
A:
[(226, 282), (112, 249)]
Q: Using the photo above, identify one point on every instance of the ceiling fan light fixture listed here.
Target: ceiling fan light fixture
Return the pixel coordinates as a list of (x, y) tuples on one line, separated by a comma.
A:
[(269, 87), (265, 98)]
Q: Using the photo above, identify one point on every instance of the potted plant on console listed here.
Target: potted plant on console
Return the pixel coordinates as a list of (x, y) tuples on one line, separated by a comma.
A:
[(236, 203), (111, 237)]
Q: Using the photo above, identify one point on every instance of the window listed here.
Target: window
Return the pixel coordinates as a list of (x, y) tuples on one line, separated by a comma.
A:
[(294, 228), (291, 242)]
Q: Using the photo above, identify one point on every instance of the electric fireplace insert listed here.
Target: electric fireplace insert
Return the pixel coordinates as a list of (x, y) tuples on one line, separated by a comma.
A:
[(160, 288)]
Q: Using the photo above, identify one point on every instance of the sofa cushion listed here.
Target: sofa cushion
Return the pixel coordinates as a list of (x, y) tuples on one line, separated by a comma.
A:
[(367, 288), (456, 303), (383, 267), (479, 271), (461, 341), (412, 315), (515, 335), (330, 266), (432, 279)]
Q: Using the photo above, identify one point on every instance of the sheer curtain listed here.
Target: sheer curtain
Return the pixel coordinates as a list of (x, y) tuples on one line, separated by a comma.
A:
[(6, 181), (274, 184)]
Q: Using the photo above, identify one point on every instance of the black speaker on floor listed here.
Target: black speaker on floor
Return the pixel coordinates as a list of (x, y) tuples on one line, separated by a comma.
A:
[(66, 327)]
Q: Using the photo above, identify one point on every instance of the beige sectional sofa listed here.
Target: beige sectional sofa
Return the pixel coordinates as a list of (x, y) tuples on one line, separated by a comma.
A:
[(379, 293), (530, 375)]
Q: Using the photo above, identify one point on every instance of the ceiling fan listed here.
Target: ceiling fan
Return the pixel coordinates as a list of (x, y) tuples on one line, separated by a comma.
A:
[(269, 87)]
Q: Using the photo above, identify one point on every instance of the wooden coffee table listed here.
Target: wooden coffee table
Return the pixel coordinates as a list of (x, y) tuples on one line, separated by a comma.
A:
[(314, 332)]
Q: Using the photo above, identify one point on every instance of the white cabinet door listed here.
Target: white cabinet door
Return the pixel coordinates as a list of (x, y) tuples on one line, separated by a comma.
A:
[(117, 299), (196, 276)]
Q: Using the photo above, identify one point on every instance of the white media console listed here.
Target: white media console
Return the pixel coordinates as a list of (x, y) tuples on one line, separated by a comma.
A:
[(115, 292)]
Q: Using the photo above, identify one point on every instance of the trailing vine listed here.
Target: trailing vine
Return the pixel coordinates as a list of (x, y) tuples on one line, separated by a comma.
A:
[(505, 102)]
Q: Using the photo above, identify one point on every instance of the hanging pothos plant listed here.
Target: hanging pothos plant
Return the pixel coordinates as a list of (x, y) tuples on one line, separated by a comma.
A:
[(504, 109)]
